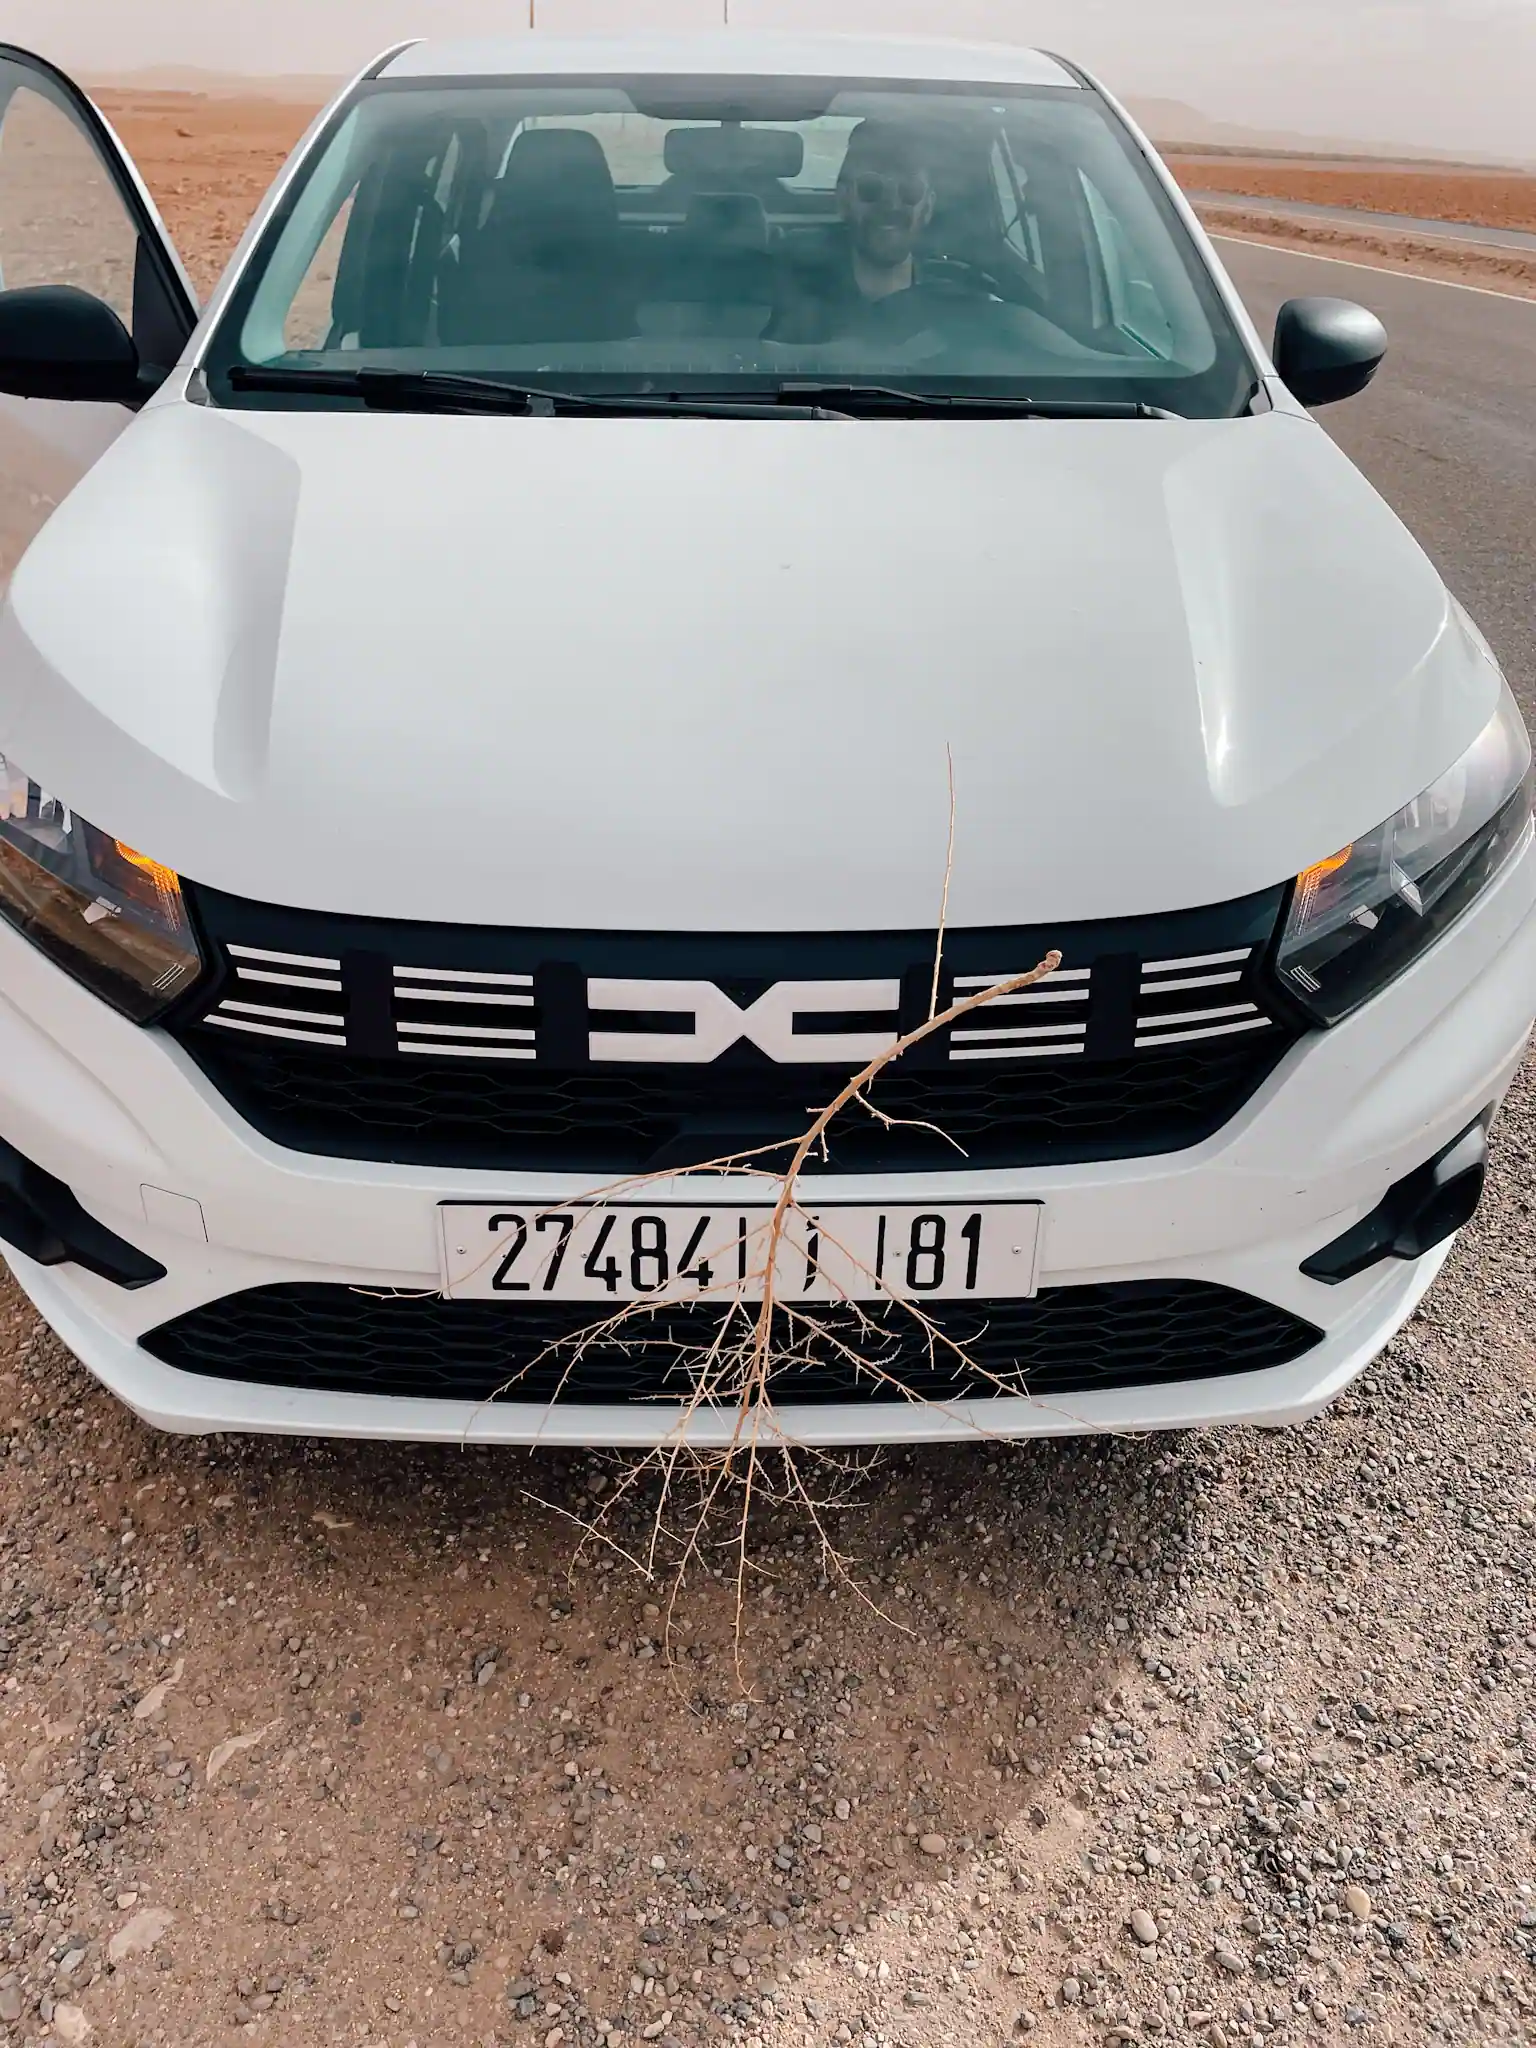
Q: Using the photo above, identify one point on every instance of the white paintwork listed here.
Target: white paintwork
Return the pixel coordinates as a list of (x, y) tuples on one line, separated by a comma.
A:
[(737, 53), (702, 675), (706, 674)]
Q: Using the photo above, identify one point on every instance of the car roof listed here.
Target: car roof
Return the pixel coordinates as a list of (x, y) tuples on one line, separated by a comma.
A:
[(729, 53)]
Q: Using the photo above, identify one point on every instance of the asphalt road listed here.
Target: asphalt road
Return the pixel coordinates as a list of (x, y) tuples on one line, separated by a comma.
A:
[(1447, 433)]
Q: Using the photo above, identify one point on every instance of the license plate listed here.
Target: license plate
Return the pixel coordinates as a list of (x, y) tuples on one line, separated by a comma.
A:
[(828, 1251)]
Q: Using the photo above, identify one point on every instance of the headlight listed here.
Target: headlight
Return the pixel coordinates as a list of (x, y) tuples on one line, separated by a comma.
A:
[(112, 918), (1360, 917)]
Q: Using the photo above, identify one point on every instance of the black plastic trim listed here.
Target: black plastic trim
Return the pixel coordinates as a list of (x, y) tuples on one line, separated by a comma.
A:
[(1418, 1212), (1066, 1340), (40, 1217)]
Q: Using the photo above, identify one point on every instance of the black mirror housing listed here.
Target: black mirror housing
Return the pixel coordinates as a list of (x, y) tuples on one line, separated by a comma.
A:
[(1327, 349), (59, 342)]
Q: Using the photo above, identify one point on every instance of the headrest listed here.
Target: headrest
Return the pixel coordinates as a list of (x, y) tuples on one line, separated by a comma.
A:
[(734, 153), (728, 220), (557, 171)]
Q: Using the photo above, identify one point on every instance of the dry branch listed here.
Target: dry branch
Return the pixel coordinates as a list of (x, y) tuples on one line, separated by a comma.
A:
[(755, 1342)]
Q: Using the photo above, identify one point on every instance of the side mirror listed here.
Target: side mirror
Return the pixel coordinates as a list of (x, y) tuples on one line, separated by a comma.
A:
[(59, 342), (1327, 349)]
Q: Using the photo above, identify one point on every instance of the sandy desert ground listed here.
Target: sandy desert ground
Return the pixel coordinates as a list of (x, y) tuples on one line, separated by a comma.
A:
[(1488, 200)]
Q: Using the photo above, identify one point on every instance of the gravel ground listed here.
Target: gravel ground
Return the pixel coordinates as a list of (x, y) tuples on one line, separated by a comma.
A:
[(1223, 1740)]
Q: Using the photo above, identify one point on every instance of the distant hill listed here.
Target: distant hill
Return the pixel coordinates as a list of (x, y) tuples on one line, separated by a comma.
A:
[(188, 78)]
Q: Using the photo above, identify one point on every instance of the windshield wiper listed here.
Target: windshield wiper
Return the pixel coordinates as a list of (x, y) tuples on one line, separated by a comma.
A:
[(384, 390), (876, 399), (441, 391)]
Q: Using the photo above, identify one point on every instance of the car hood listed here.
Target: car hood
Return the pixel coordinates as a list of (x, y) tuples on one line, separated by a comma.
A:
[(677, 674)]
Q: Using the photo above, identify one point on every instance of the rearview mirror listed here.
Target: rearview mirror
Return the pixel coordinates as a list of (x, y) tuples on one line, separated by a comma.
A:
[(1327, 349), (59, 342)]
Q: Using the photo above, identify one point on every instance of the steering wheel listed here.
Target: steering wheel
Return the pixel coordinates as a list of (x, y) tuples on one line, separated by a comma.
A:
[(962, 272)]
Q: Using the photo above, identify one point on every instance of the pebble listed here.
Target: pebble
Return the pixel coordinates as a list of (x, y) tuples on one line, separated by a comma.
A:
[(1143, 1926), (1358, 1900), (933, 1845), (11, 2003), (137, 1936)]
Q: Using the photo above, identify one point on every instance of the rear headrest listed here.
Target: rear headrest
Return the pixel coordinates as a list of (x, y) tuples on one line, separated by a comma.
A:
[(728, 220), (557, 174), (734, 153)]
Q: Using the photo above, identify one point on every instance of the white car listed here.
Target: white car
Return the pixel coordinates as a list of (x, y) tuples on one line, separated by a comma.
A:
[(478, 708)]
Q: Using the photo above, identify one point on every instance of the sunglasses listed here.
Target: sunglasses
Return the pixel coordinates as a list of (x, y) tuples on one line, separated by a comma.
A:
[(870, 189)]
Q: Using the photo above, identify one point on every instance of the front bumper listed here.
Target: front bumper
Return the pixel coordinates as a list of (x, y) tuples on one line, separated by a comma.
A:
[(125, 1119)]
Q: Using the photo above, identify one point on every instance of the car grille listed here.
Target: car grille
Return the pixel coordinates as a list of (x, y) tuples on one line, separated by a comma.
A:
[(620, 1054), (1067, 1340)]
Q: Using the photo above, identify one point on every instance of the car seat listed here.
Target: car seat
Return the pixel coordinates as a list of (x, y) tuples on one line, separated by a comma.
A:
[(548, 264)]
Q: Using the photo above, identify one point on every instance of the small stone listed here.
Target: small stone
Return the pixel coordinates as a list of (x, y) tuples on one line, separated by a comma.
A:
[(70, 2023), (1143, 1926), (1358, 1900), (1227, 1960), (236, 1745), (137, 1936), (1071, 1990), (1017, 1967), (740, 1967), (11, 2005), (932, 1845), (155, 1698)]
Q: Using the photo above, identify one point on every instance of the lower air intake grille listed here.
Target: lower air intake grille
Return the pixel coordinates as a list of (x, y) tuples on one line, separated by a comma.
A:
[(1068, 1340)]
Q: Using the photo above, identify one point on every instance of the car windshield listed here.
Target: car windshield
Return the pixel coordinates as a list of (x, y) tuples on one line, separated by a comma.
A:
[(677, 235)]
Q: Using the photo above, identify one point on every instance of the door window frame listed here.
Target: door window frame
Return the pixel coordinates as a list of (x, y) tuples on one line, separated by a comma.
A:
[(165, 309)]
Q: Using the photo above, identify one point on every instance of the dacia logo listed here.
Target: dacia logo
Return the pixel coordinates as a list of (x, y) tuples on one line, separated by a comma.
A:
[(772, 1023)]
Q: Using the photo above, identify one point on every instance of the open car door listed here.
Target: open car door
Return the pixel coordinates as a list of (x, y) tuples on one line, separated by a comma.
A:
[(74, 213)]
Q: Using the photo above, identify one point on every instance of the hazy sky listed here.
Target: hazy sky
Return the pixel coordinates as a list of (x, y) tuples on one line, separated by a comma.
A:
[(1451, 74)]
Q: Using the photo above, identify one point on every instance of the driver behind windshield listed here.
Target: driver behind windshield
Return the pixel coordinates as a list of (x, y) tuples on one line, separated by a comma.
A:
[(867, 283)]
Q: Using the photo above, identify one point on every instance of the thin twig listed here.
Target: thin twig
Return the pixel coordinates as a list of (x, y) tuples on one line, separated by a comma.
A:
[(949, 869), (759, 1339)]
